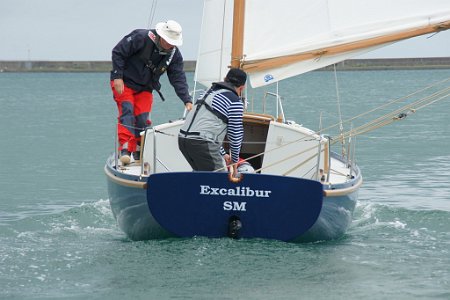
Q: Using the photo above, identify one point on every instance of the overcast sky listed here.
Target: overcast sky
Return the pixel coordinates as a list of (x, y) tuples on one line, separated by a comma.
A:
[(89, 29)]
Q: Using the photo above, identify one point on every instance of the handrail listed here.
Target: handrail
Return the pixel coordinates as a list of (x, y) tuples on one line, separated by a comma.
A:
[(279, 104)]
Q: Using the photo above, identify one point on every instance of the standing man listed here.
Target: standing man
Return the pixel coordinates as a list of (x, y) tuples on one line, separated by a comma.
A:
[(218, 113), (138, 61)]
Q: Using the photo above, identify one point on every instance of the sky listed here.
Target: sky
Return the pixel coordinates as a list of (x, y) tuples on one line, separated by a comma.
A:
[(80, 30)]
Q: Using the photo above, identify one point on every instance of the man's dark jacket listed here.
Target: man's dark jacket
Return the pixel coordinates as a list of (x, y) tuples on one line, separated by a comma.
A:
[(137, 60)]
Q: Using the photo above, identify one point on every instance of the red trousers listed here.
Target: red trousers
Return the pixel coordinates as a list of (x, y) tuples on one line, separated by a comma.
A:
[(134, 109)]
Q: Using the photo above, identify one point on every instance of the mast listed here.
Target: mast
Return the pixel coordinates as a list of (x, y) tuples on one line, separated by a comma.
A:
[(237, 47)]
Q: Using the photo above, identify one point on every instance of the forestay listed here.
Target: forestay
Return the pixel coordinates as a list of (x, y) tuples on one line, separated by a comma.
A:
[(285, 38)]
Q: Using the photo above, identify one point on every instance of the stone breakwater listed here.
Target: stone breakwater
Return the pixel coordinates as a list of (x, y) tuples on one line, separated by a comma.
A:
[(189, 66)]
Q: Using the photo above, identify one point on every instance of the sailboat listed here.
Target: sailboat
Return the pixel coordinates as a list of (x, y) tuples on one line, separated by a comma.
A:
[(300, 189)]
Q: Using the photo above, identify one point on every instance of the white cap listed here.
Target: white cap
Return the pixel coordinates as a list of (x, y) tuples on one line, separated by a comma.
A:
[(170, 31)]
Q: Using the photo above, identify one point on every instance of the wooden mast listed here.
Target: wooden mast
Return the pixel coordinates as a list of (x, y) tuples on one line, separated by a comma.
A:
[(237, 47)]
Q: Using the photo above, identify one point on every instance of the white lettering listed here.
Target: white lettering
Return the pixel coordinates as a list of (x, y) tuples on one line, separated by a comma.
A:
[(259, 193), (238, 191), (239, 206), (227, 205), (204, 190), (231, 192)]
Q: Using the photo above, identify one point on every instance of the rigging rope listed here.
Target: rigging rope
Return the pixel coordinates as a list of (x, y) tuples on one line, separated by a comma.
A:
[(152, 13), (396, 115), (386, 105), (399, 114)]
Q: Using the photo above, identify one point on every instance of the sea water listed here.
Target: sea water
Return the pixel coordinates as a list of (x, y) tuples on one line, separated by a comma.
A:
[(59, 240)]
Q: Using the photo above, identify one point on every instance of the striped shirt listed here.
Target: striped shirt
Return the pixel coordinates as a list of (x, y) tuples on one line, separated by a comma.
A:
[(233, 109), (230, 105)]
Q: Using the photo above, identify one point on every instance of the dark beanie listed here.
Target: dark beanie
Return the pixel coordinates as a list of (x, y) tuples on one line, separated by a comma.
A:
[(236, 76)]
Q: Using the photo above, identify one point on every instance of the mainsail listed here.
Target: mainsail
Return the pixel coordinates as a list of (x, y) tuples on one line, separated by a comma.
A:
[(283, 38)]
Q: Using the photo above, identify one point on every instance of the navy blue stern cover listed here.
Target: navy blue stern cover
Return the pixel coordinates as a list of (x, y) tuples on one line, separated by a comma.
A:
[(202, 203)]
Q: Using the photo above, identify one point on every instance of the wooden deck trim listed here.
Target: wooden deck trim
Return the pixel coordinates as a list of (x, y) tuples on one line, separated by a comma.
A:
[(125, 182), (254, 118), (344, 191)]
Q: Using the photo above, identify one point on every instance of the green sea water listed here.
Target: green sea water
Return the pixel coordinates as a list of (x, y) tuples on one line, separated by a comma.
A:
[(59, 240)]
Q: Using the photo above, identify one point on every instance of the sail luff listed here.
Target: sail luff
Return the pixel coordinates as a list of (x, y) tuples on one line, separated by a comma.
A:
[(237, 48), (264, 64)]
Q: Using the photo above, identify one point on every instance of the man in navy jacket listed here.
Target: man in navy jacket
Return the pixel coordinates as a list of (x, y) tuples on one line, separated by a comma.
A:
[(139, 60)]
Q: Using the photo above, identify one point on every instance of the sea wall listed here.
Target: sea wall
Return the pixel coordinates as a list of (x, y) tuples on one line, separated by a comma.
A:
[(105, 66), (65, 66)]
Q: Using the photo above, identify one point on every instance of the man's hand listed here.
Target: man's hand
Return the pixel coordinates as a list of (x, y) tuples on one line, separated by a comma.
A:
[(233, 174), (188, 106), (118, 86), (227, 159)]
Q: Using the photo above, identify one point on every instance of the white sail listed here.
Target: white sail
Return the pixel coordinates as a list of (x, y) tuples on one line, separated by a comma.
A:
[(285, 38), (215, 41)]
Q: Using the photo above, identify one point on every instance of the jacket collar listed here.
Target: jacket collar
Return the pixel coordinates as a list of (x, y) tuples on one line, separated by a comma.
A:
[(224, 85)]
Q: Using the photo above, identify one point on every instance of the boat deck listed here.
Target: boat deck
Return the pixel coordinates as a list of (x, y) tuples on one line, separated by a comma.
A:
[(271, 147), (339, 173)]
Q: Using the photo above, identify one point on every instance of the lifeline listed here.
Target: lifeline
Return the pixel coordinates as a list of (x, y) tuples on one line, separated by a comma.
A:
[(237, 191)]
